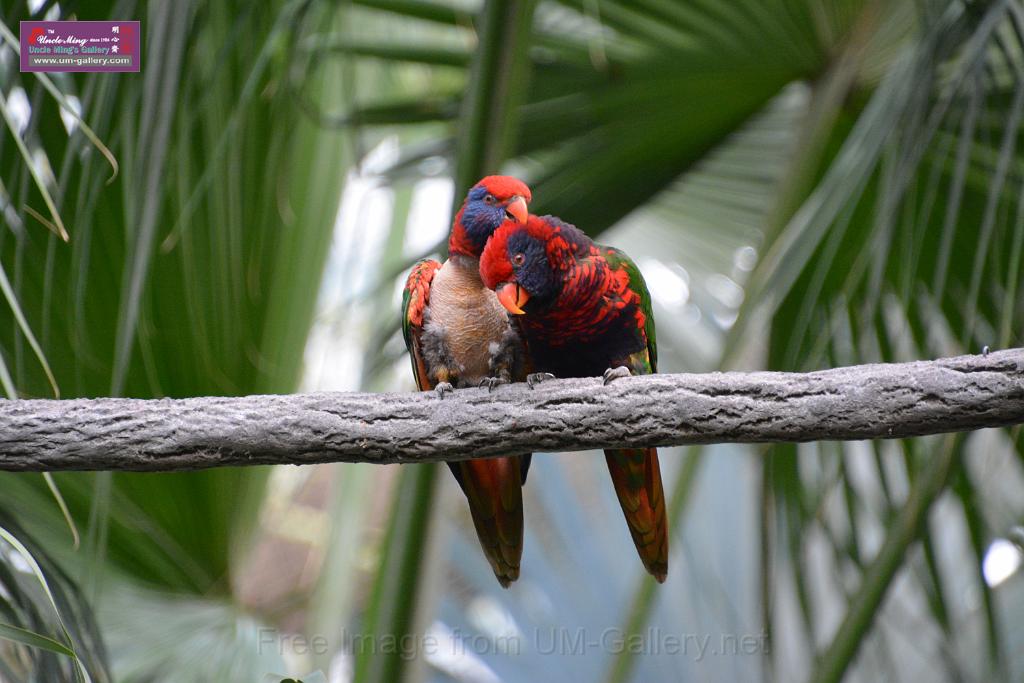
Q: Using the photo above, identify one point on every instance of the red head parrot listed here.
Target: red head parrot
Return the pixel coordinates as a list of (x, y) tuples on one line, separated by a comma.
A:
[(458, 335), (584, 310)]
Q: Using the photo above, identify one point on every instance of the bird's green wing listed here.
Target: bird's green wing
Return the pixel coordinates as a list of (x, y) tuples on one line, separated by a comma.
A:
[(415, 299), (635, 472), (643, 363)]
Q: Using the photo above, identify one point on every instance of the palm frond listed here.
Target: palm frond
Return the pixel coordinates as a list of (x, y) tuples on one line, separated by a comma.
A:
[(876, 266)]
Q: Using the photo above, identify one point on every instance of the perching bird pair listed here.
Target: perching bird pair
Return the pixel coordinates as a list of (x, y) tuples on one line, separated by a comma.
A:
[(578, 309)]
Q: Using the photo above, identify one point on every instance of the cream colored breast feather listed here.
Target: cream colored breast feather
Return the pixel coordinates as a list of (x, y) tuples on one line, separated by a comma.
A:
[(470, 315)]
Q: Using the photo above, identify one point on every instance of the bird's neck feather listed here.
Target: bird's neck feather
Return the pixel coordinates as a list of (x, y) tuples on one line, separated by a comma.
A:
[(459, 241)]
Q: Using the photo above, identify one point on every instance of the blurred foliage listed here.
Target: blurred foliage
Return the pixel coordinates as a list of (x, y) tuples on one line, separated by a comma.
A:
[(190, 269), (804, 184), (42, 599)]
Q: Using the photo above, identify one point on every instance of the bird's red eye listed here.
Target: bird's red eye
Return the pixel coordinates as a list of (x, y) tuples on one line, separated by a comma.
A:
[(519, 259), (489, 199)]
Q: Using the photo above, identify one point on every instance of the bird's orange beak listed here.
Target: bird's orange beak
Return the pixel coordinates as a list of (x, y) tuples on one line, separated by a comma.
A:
[(516, 210), (512, 297)]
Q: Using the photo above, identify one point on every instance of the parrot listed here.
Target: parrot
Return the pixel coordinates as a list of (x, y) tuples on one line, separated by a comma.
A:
[(459, 335), (583, 310)]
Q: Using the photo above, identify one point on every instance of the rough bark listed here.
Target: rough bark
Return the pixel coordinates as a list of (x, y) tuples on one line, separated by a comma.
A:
[(859, 402)]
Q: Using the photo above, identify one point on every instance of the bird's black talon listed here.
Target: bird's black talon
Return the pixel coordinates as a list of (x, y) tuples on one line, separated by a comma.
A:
[(491, 382), (612, 374), (535, 378), (442, 388)]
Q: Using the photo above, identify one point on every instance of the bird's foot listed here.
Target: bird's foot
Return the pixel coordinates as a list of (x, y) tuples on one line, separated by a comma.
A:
[(612, 374), (443, 388), (491, 382), (535, 378)]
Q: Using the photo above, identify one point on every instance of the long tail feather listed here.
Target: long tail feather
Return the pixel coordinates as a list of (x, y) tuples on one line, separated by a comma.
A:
[(494, 490), (636, 476)]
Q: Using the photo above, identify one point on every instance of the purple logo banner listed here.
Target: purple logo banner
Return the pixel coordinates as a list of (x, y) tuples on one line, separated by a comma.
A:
[(81, 46)]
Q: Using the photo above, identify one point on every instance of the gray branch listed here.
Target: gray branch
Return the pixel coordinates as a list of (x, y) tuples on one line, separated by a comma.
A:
[(859, 402)]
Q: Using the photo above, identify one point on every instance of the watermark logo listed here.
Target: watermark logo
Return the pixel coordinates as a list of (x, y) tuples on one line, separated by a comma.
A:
[(81, 46)]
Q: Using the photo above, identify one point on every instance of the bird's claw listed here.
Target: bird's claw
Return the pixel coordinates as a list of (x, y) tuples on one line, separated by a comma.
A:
[(491, 382), (612, 374), (442, 388), (535, 378)]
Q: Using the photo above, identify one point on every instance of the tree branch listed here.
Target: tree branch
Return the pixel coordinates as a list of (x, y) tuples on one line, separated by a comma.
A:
[(859, 402)]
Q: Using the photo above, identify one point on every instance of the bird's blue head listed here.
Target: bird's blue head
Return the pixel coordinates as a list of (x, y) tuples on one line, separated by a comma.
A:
[(488, 204), (528, 262)]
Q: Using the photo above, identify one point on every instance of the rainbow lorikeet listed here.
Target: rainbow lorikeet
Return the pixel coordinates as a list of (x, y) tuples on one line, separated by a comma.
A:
[(583, 310), (458, 335)]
